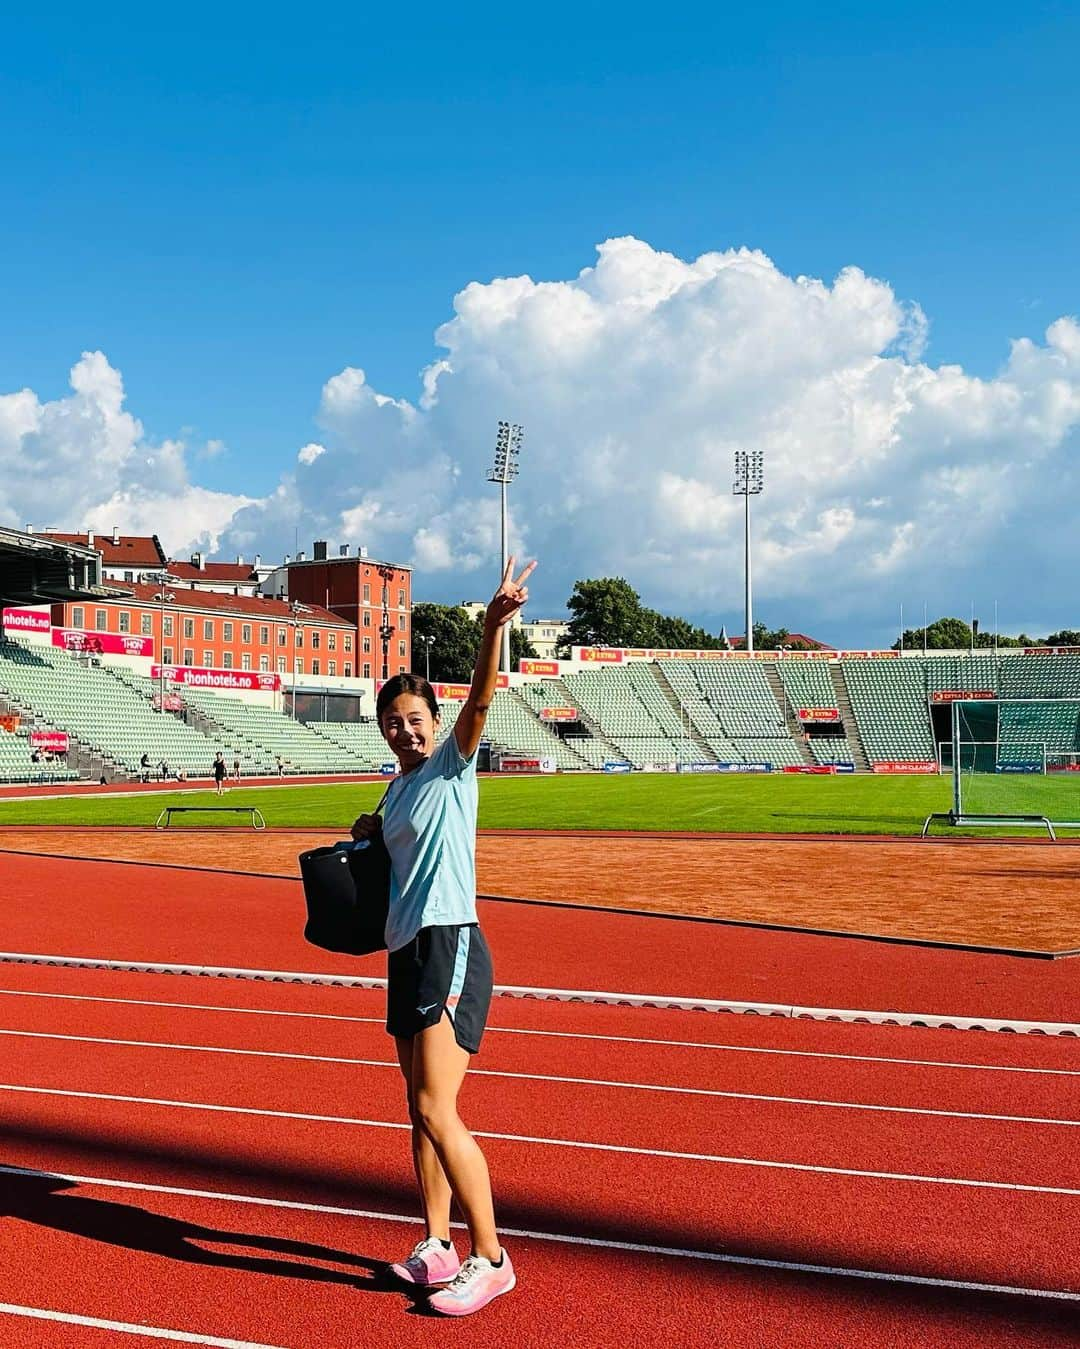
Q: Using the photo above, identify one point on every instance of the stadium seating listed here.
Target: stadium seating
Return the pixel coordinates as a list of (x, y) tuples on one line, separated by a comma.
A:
[(889, 699), (741, 720), (16, 764), (633, 715), (105, 714)]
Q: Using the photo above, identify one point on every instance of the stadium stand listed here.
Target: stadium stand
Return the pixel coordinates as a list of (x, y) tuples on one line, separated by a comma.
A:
[(17, 765), (100, 711), (889, 699), (513, 724), (739, 702), (635, 718)]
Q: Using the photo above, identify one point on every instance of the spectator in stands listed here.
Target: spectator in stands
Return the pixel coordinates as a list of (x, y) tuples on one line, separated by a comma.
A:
[(163, 769), (144, 768), (219, 772), (35, 755), (440, 975), (236, 765), (280, 767)]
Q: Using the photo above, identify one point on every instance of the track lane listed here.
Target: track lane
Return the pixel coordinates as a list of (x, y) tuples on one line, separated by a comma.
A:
[(565, 1296)]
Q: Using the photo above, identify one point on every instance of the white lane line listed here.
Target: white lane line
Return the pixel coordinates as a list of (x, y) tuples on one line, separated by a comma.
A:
[(543, 1142), (124, 1328), (550, 1077), (634, 1247), (558, 1034)]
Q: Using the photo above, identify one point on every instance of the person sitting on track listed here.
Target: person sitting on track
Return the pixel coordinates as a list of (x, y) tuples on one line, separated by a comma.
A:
[(440, 974)]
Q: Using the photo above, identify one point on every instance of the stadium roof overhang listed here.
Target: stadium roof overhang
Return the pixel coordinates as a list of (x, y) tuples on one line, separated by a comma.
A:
[(38, 570)]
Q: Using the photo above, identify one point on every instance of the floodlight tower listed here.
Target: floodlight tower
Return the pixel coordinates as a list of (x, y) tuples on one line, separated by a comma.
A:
[(508, 441), (749, 481)]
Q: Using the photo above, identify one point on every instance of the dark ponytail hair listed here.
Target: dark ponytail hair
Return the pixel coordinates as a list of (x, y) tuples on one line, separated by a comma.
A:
[(404, 683)]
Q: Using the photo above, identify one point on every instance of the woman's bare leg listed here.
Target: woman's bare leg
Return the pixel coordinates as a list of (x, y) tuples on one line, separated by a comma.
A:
[(435, 1194), (439, 1065)]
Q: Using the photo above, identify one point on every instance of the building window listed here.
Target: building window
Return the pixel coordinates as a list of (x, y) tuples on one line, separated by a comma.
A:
[(367, 594), (367, 618), (226, 660), (401, 599), (348, 641), (299, 636), (264, 664), (226, 632), (208, 629), (298, 667), (189, 656), (401, 669), (367, 670), (316, 638), (245, 633), (331, 667), (101, 620), (281, 664), (348, 669), (167, 656), (208, 659), (168, 625), (125, 620), (281, 637), (146, 624), (331, 641), (129, 576), (401, 648), (315, 666), (189, 627), (77, 618), (367, 646), (245, 661), (401, 621), (264, 636)]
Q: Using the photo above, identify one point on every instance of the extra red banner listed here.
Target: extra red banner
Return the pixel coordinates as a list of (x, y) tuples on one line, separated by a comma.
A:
[(88, 643), (819, 714), (559, 714), (538, 667), (962, 695)]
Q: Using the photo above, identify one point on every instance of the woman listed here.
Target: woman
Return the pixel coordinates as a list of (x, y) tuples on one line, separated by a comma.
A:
[(440, 974), (219, 772)]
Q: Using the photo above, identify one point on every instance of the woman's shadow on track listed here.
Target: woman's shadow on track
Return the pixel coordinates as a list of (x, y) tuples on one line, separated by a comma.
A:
[(37, 1197)]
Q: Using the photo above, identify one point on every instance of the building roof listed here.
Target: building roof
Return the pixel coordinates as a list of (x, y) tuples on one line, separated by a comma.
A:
[(117, 550), (246, 606), (221, 573), (792, 639)]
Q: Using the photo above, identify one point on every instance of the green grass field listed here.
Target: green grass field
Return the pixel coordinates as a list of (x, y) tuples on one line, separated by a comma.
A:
[(744, 804)]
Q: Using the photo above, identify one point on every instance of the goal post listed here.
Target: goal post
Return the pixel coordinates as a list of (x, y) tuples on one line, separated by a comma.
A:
[(1016, 761)]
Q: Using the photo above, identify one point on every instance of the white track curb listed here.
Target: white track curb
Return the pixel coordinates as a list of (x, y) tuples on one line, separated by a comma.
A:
[(655, 1000)]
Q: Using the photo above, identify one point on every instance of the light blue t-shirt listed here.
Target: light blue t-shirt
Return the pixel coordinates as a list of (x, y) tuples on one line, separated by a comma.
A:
[(429, 827)]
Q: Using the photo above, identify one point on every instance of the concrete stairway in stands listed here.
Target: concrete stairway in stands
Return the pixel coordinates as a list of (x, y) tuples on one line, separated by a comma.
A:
[(847, 715), (698, 740), (772, 674)]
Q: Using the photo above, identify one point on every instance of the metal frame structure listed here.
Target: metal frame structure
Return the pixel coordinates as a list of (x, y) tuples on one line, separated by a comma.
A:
[(749, 481)]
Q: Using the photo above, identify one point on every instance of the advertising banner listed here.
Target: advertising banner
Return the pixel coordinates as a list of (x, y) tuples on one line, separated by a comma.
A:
[(57, 741), (905, 766), (389, 770), (199, 677), (1052, 650), (599, 655), (1027, 766), (521, 763), (173, 702), (819, 714), (82, 642), (962, 695), (559, 714), (451, 693), (615, 655), (9, 721), (538, 667), (820, 769), (26, 620), (617, 766), (744, 768)]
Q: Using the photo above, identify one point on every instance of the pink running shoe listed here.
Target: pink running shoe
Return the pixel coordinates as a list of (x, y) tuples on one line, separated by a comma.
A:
[(478, 1282), (429, 1264)]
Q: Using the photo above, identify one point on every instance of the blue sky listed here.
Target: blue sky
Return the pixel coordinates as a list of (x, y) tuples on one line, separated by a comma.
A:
[(233, 204)]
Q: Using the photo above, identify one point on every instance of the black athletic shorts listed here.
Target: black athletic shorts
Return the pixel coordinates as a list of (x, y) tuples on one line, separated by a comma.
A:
[(441, 969)]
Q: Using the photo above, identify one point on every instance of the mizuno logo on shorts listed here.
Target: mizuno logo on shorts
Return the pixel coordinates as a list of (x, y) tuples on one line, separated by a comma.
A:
[(424, 1010)]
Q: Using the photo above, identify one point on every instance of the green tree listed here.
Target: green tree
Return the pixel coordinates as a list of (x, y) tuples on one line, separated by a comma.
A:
[(1066, 637), (520, 646), (944, 634), (607, 612), (457, 640)]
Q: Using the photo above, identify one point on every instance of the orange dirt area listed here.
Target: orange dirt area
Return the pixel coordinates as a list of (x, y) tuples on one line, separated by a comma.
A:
[(1021, 895)]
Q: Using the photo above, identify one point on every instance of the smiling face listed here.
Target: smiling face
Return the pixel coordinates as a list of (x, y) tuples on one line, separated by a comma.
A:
[(409, 729)]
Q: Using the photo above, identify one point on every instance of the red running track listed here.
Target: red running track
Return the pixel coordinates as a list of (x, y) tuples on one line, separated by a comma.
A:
[(305, 1277), (123, 911)]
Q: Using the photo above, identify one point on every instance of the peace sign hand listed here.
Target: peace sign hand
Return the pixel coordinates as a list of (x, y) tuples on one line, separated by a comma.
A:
[(511, 595)]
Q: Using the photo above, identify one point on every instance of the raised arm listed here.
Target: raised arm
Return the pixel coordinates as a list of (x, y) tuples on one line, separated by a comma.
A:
[(507, 600)]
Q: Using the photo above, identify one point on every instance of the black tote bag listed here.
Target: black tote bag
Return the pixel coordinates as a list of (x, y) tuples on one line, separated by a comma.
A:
[(347, 890)]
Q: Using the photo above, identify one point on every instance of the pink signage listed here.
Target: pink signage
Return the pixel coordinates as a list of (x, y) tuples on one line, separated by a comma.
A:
[(57, 741), (26, 620), (199, 677), (102, 643)]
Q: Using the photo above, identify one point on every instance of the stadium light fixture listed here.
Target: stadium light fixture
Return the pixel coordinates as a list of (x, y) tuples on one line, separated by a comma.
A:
[(386, 628), (428, 643), (508, 442), (295, 610), (749, 481)]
